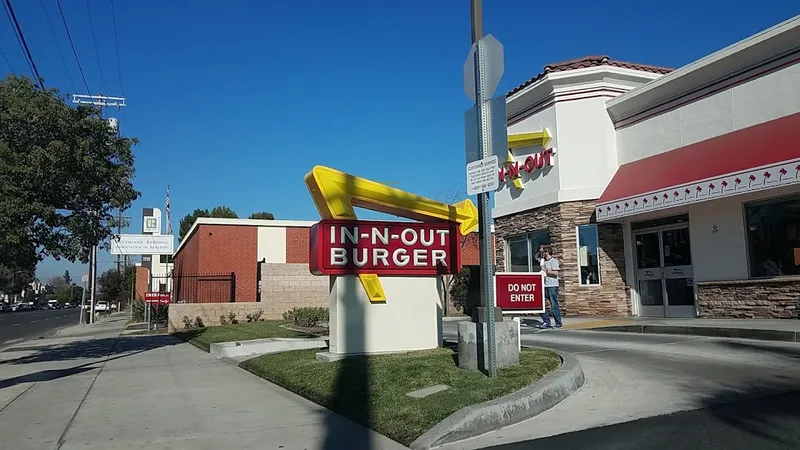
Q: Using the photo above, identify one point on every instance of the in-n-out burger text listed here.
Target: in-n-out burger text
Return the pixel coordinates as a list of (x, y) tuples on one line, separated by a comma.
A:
[(341, 247), (531, 163)]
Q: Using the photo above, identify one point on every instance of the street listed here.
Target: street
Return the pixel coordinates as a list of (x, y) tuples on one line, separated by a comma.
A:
[(16, 326), (636, 376)]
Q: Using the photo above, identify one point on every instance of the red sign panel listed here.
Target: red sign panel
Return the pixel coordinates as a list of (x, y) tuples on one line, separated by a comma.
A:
[(519, 291), (161, 298), (351, 247)]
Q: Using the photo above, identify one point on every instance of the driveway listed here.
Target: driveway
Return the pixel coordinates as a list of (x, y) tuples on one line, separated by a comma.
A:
[(633, 376)]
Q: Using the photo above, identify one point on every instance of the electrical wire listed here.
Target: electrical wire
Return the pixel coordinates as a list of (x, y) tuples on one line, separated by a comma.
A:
[(23, 43), (119, 64), (72, 44), (55, 39), (10, 67), (96, 51)]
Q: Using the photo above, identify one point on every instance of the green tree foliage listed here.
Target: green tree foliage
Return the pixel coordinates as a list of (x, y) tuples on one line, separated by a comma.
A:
[(63, 172), (13, 281), (459, 290), (262, 215), (67, 277), (115, 287), (222, 212), (69, 293)]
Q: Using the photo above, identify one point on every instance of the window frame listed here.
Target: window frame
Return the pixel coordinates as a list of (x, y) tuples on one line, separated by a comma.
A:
[(746, 230), (527, 236), (578, 254)]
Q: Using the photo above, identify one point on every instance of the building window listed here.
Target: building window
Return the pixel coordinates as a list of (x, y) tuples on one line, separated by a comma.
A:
[(773, 238), (523, 251), (588, 255)]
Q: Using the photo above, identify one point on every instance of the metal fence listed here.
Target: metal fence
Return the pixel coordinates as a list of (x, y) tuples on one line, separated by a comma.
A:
[(198, 287)]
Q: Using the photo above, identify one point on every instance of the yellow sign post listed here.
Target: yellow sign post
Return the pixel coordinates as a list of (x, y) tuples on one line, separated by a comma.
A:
[(336, 193)]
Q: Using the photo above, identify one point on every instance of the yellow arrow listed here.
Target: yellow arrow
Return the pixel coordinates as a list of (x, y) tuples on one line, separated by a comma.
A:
[(336, 193), (526, 140)]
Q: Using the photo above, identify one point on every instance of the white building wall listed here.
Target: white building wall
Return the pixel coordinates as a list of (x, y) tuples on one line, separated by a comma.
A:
[(272, 244), (760, 100)]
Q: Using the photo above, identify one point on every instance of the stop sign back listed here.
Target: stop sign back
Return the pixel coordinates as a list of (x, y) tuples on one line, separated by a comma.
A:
[(519, 292)]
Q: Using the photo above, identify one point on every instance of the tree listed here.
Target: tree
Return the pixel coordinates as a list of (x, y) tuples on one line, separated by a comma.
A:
[(67, 277), (459, 290), (262, 215), (64, 170), (188, 220), (57, 282), (14, 282), (454, 196), (115, 287)]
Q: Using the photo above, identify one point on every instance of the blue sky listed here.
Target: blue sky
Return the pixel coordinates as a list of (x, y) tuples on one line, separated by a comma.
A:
[(234, 102)]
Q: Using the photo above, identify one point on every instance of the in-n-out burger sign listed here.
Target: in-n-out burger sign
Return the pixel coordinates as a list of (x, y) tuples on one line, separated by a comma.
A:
[(351, 247), (511, 170)]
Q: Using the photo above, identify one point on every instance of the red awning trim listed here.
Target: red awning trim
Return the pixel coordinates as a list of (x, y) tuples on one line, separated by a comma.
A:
[(760, 178), (752, 159)]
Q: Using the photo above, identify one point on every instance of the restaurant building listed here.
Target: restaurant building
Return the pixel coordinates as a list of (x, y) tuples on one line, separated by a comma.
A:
[(665, 193)]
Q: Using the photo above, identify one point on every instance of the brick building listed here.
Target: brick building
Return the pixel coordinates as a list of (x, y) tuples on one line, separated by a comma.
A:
[(268, 260)]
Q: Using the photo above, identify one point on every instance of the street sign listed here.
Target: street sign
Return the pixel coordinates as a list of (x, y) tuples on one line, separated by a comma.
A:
[(142, 244), (493, 66), (158, 298), (482, 176), (85, 277), (498, 132), (517, 292)]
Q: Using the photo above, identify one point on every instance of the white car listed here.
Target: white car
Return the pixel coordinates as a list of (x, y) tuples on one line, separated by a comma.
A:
[(101, 306)]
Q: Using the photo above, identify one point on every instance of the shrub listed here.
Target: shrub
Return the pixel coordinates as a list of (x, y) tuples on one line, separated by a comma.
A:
[(187, 322), (198, 322), (232, 318), (255, 317), (223, 320), (459, 290), (307, 316)]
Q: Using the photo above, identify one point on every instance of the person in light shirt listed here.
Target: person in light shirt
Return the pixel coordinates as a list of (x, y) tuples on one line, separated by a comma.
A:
[(550, 269)]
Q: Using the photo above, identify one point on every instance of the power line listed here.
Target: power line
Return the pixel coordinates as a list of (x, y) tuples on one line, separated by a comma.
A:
[(23, 43), (58, 47), (116, 44), (72, 44), (10, 67), (96, 51)]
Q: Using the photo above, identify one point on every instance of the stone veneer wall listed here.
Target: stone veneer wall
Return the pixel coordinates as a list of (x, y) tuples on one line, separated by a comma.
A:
[(748, 299), (612, 297)]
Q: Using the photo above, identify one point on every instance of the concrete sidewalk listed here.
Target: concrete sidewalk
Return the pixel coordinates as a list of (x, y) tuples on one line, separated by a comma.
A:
[(106, 391)]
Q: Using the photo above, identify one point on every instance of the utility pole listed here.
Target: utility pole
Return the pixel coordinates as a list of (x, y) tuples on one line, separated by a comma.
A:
[(100, 101)]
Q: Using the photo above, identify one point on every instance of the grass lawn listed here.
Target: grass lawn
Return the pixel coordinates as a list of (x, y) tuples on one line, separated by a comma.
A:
[(204, 337), (371, 390)]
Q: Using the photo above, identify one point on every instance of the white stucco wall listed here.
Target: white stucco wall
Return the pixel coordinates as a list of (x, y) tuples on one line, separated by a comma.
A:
[(272, 244), (760, 100)]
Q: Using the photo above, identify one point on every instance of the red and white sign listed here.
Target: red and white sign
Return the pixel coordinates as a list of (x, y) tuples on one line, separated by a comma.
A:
[(532, 163), (519, 292), (160, 298), (350, 247)]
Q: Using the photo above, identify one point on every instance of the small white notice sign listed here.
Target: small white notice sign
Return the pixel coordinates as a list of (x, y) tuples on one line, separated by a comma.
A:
[(482, 176)]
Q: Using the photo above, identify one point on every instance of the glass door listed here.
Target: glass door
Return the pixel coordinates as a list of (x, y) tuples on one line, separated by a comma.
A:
[(664, 273), (648, 274)]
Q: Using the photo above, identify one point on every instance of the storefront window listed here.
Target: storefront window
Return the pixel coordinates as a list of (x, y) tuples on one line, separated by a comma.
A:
[(773, 238), (523, 251), (588, 254)]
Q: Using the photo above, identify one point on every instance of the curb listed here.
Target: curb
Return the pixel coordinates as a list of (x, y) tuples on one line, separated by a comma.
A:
[(742, 333), (528, 402)]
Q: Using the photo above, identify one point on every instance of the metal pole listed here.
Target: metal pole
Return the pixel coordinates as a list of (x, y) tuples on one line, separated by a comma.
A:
[(92, 282), (484, 201), (83, 305)]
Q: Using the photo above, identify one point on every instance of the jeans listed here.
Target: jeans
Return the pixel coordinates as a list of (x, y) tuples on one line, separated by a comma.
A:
[(551, 293)]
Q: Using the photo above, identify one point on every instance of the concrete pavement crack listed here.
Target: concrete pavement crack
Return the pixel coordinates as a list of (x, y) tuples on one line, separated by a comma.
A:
[(18, 396), (63, 436)]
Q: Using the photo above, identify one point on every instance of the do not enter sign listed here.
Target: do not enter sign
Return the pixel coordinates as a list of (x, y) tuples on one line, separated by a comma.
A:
[(519, 292)]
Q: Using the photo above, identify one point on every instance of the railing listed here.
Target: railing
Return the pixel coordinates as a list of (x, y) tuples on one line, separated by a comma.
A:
[(199, 287)]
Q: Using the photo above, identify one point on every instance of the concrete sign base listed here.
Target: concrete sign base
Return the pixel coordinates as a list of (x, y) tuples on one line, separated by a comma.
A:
[(473, 351), (408, 320)]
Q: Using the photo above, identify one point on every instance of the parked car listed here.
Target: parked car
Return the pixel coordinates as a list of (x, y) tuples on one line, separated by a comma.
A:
[(101, 306)]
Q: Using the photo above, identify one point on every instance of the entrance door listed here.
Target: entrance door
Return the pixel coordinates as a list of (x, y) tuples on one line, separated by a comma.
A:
[(664, 272)]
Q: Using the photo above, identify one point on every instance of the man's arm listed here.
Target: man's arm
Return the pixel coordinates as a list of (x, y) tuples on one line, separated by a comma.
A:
[(553, 272)]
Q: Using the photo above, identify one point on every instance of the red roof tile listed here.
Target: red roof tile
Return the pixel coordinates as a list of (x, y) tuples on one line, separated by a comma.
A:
[(589, 61)]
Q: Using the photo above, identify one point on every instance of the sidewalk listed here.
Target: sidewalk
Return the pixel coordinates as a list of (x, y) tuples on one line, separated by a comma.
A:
[(91, 388)]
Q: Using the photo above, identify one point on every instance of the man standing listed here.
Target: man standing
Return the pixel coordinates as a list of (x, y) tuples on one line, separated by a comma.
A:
[(550, 268)]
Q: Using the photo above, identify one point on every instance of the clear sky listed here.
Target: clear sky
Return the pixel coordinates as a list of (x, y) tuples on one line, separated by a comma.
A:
[(235, 101)]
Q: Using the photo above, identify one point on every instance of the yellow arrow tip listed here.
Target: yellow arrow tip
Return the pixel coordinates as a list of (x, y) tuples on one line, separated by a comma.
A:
[(471, 212), (546, 136)]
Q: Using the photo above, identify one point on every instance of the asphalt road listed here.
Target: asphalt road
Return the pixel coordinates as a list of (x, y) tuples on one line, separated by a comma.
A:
[(21, 325), (770, 423), (632, 376)]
